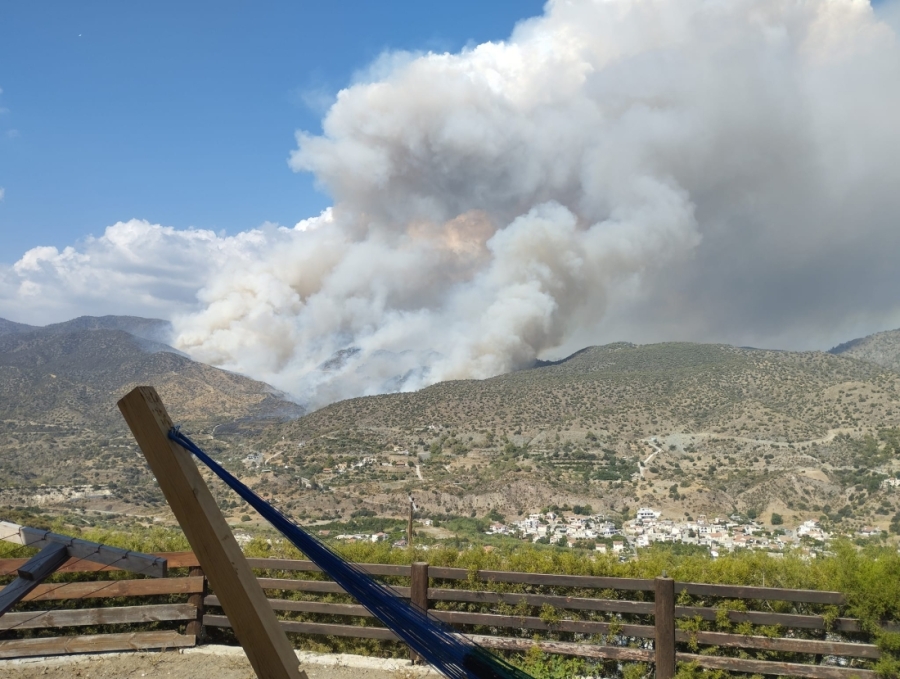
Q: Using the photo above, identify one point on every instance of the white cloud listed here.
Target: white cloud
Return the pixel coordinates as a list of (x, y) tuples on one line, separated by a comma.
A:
[(134, 268), (2, 193)]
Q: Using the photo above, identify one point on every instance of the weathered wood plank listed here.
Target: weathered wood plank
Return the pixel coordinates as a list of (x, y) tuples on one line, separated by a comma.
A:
[(572, 603), (308, 607), (356, 631), (565, 648), (114, 588), (812, 646), (192, 503), (549, 580), (810, 596), (778, 668), (763, 618), (339, 630), (309, 567), (321, 586), (179, 559), (324, 586), (95, 643), (526, 622), (97, 616)]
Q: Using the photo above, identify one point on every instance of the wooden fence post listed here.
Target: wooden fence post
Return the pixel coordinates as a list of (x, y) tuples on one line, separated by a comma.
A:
[(418, 594), (195, 627), (664, 613), (250, 613)]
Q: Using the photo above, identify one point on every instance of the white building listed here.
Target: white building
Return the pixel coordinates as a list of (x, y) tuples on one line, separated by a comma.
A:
[(647, 514)]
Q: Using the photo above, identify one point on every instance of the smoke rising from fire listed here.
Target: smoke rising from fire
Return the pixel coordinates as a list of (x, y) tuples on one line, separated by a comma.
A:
[(616, 169)]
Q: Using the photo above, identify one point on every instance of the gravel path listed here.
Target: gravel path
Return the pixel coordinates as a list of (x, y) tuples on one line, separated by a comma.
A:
[(219, 662)]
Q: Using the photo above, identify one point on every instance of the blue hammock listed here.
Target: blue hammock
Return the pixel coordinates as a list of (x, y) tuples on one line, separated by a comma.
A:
[(448, 652)]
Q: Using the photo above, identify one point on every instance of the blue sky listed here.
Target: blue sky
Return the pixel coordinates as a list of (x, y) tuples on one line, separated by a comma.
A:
[(184, 113)]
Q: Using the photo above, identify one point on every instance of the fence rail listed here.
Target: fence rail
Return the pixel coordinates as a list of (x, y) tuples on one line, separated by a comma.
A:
[(622, 630)]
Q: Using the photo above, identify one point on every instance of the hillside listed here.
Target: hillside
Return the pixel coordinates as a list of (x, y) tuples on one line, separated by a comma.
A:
[(58, 391), (882, 348), (636, 392), (686, 428)]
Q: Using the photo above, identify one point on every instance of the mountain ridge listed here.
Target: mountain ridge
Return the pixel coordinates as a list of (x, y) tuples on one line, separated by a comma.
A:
[(881, 348)]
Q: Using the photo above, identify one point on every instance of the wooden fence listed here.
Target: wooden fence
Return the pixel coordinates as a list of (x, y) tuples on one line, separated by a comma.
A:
[(659, 622)]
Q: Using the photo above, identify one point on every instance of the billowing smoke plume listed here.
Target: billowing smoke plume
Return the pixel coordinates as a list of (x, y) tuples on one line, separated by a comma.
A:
[(640, 169), (618, 169)]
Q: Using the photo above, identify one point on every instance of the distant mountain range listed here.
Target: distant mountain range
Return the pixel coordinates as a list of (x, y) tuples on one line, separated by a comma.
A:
[(59, 385), (152, 329), (75, 371)]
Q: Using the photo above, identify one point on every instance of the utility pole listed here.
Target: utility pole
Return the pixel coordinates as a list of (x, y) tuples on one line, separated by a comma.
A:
[(409, 523)]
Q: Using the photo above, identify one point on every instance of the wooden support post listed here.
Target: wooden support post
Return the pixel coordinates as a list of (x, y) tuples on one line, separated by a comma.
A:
[(251, 616), (195, 626), (418, 593), (664, 611)]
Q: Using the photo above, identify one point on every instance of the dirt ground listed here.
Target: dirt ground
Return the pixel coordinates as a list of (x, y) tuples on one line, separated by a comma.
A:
[(220, 662)]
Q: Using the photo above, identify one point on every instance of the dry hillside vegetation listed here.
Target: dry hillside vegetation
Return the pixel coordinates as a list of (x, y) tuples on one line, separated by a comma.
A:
[(686, 428), (734, 429)]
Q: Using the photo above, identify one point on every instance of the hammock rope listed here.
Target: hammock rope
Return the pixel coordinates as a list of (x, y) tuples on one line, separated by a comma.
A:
[(449, 652)]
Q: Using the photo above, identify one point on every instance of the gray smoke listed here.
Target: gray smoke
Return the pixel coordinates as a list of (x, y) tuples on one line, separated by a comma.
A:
[(617, 169)]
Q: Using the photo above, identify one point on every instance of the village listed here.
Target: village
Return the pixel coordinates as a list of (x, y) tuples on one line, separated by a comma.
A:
[(719, 535)]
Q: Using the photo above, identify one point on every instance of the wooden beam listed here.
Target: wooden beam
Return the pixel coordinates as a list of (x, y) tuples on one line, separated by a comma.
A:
[(44, 563), (255, 625), (123, 559), (31, 574)]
